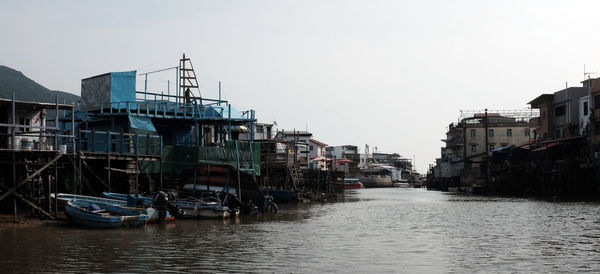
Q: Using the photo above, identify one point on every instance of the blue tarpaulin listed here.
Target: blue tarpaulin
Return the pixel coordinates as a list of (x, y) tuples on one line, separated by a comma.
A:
[(122, 86), (143, 123)]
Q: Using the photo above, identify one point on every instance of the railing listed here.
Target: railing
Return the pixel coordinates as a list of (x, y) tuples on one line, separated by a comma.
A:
[(166, 109), (148, 96), (119, 143)]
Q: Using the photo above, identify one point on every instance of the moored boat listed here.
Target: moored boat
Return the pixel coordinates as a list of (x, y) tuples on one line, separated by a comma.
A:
[(199, 209), (352, 183), (189, 208), (153, 213), (101, 215)]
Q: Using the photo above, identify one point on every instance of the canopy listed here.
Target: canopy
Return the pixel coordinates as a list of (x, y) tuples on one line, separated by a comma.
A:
[(545, 146)]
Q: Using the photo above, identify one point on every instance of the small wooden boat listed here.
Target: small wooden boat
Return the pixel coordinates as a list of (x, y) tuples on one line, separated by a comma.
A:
[(153, 214), (351, 183), (101, 215)]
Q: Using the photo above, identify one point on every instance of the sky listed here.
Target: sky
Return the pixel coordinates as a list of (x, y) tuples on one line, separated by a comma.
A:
[(390, 74)]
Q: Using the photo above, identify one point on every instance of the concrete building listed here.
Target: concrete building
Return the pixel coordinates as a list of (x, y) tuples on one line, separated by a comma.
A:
[(594, 85), (543, 126), (349, 152), (470, 142), (501, 132), (299, 140), (566, 111), (317, 154), (262, 131)]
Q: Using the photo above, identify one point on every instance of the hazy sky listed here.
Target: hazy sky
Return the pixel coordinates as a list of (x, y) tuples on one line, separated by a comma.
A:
[(391, 74)]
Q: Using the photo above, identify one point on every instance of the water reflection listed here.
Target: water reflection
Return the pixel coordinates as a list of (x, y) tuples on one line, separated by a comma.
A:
[(371, 230)]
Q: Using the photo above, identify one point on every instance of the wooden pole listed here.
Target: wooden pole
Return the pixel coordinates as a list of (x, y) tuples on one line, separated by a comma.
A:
[(49, 193), (28, 177), (55, 187), (161, 172), (108, 179), (14, 175), (79, 172)]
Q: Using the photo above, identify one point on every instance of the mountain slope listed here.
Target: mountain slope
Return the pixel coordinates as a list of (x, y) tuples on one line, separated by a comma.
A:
[(26, 89)]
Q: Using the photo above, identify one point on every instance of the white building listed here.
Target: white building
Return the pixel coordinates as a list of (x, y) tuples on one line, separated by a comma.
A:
[(262, 131)]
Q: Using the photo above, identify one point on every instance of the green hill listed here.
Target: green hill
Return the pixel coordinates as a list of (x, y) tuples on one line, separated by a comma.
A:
[(26, 89)]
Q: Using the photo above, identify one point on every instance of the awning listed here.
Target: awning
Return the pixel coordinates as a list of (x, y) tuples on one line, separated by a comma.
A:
[(318, 158), (340, 161), (545, 146)]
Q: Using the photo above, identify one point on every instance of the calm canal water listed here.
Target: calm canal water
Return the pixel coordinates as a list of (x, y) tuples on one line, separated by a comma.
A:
[(372, 231)]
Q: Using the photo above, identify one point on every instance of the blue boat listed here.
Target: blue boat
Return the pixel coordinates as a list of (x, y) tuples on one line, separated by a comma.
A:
[(101, 215), (153, 214)]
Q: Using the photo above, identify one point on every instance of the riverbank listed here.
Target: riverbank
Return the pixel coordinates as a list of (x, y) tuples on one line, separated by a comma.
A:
[(7, 222)]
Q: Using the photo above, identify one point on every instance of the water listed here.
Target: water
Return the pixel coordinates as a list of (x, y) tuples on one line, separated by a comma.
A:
[(372, 231)]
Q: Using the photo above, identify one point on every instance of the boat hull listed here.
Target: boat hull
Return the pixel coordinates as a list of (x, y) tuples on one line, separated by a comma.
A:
[(353, 186), (202, 213), (377, 182), (79, 213)]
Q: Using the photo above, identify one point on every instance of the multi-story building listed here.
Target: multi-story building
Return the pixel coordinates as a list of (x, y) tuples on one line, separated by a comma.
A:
[(501, 132), (317, 153), (594, 85), (305, 146), (262, 131), (543, 126), (349, 152), (469, 143), (567, 105)]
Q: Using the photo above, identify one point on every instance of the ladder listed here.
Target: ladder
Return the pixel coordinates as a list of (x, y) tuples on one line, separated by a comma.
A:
[(187, 79)]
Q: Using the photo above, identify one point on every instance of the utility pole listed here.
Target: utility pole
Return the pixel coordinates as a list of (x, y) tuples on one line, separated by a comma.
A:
[(487, 148)]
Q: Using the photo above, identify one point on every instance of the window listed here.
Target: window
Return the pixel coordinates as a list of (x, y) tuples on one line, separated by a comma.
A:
[(491, 132), (597, 102), (473, 148), (508, 132), (560, 111), (585, 108), (491, 147), (527, 132), (311, 147), (472, 133), (259, 129), (26, 122)]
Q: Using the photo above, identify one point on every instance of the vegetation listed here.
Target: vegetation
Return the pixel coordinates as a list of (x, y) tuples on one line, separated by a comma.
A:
[(25, 89)]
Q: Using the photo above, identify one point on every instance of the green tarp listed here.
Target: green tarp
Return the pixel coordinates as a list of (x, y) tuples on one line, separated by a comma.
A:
[(178, 158)]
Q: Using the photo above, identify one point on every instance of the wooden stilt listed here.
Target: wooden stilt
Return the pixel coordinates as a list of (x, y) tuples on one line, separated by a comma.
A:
[(14, 175)]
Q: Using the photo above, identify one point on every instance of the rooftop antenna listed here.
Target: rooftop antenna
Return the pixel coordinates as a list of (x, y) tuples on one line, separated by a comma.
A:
[(587, 76), (187, 80)]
